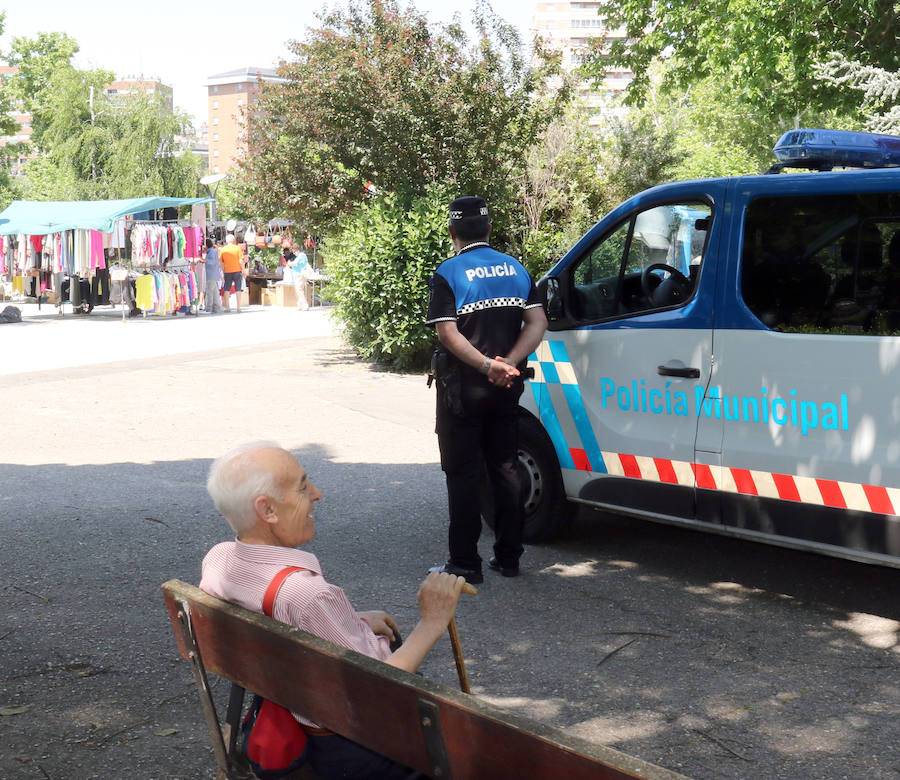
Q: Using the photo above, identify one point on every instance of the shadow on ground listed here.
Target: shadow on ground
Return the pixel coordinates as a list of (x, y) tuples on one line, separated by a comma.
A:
[(711, 656)]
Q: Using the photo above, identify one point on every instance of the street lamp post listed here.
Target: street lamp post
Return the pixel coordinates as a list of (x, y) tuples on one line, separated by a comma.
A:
[(206, 181)]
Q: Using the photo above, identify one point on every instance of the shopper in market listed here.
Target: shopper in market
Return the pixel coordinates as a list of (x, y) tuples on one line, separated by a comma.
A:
[(213, 268), (300, 271), (232, 259)]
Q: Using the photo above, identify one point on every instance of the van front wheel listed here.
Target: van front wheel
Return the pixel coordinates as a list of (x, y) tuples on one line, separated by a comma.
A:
[(542, 494)]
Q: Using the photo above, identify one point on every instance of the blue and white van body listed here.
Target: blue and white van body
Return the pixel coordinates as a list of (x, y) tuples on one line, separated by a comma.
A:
[(725, 354)]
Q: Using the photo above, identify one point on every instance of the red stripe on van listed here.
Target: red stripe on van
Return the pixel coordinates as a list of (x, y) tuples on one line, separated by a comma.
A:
[(630, 466), (831, 493), (786, 487), (743, 480), (704, 477), (879, 500), (581, 459), (666, 471)]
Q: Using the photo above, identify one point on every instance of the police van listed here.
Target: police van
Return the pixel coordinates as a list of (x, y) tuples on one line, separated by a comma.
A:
[(724, 354)]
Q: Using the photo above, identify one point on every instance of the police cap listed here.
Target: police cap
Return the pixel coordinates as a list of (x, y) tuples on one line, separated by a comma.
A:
[(467, 207)]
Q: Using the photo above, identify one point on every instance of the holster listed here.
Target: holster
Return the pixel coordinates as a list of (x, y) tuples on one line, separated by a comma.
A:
[(446, 370)]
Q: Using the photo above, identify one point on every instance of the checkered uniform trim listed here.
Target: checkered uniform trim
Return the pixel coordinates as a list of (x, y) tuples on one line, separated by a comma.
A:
[(491, 303)]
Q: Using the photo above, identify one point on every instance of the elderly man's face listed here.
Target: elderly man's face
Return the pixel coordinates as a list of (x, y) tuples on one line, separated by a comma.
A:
[(296, 523)]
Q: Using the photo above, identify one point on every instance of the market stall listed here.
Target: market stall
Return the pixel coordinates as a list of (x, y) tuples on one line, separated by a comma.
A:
[(135, 252)]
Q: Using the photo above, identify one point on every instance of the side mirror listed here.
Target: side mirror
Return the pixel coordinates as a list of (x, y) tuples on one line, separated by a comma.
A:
[(555, 309)]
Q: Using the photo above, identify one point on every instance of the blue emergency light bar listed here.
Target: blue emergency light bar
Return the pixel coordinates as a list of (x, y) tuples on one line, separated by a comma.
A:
[(826, 149)]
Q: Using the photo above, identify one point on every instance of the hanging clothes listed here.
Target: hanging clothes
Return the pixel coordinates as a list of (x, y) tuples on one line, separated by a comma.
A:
[(161, 292), (98, 260)]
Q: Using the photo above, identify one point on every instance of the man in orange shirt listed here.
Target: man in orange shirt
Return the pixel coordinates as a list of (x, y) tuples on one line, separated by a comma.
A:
[(232, 259)]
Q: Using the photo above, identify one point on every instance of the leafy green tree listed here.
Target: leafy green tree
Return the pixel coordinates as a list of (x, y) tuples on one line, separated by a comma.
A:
[(379, 264), (878, 89), (562, 188), (706, 129), (39, 60), (89, 146), (7, 127), (96, 148), (767, 49), (145, 156), (376, 94), (77, 134), (640, 154), (382, 119), (45, 179)]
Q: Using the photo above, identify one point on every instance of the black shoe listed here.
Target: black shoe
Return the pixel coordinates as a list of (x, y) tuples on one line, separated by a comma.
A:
[(506, 571), (473, 576)]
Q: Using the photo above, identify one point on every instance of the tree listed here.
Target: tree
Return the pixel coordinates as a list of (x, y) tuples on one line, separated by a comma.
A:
[(711, 131), (563, 191), (381, 120), (767, 49), (379, 265), (7, 127), (880, 90), (146, 156), (377, 95), (89, 146), (95, 148), (39, 60)]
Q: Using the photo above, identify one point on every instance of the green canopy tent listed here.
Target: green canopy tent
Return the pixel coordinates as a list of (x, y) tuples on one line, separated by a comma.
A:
[(40, 217)]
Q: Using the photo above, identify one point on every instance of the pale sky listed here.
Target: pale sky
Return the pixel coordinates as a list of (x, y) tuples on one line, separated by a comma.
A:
[(189, 41)]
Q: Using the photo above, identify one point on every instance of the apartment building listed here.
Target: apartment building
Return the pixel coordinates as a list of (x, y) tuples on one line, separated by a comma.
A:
[(569, 27), (118, 90), (230, 95)]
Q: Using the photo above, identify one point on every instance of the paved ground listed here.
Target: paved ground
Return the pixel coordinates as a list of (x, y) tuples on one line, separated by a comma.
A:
[(714, 657)]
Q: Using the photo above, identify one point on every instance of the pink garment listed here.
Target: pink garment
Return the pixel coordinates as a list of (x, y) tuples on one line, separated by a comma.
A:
[(240, 573), (193, 242), (97, 258), (188, 242)]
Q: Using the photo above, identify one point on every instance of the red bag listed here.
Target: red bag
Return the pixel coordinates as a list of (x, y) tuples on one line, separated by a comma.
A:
[(272, 739)]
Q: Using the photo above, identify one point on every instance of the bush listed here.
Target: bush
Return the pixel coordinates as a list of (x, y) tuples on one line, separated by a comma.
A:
[(380, 263)]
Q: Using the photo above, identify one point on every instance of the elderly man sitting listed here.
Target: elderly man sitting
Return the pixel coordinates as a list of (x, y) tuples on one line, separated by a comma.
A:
[(268, 500)]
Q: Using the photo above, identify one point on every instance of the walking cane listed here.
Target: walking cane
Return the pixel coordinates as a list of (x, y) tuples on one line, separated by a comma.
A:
[(457, 647)]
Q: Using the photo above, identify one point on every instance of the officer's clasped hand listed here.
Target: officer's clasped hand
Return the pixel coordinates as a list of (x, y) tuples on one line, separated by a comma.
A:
[(501, 373)]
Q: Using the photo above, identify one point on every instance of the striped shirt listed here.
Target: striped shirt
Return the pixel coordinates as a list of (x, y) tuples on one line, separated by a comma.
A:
[(240, 573)]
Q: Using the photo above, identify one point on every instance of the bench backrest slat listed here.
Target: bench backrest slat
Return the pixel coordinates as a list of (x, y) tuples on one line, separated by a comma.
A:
[(378, 705)]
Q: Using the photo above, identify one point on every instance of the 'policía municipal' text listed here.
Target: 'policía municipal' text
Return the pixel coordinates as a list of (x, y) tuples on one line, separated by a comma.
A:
[(763, 408)]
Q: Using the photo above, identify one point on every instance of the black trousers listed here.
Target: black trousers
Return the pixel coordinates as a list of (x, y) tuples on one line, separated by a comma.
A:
[(484, 435), (336, 758)]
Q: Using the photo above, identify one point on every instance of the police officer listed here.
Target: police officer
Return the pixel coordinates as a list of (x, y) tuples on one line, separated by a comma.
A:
[(489, 318)]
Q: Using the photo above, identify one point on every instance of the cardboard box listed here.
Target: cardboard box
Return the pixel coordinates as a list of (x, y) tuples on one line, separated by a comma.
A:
[(285, 295)]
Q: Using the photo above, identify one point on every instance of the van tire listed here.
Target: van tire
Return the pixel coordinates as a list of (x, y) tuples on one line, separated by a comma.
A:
[(546, 509)]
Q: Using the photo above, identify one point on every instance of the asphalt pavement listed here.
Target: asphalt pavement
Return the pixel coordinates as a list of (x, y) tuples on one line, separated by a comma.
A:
[(714, 657)]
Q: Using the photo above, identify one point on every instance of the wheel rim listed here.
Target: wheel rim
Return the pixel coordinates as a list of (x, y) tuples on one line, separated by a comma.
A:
[(532, 483)]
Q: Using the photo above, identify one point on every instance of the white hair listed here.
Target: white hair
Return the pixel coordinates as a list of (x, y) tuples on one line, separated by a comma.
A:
[(236, 479), (229, 239)]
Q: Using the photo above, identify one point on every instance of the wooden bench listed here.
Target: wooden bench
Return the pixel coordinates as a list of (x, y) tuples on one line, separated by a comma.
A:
[(429, 727)]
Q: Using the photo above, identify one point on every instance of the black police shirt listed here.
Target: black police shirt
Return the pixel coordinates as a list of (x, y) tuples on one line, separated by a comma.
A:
[(486, 293)]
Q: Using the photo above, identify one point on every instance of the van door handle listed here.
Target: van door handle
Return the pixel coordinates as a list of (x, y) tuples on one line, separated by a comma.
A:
[(683, 371)]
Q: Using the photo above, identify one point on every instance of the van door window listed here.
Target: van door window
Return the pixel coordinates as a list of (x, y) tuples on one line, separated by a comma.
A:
[(649, 261), (824, 264)]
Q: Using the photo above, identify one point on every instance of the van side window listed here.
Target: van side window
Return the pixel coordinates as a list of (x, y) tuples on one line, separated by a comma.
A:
[(825, 264), (651, 260)]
